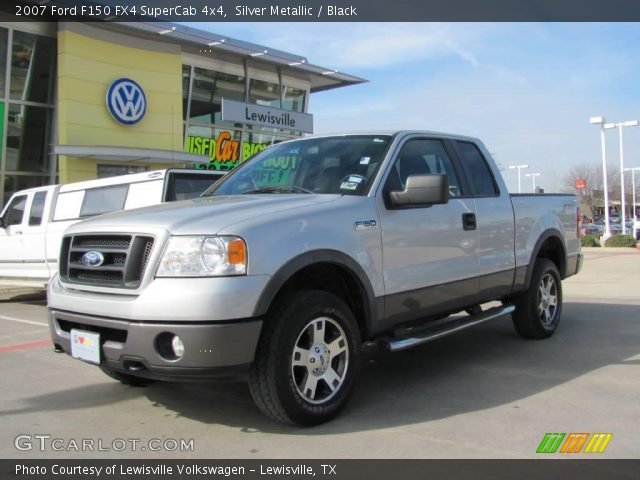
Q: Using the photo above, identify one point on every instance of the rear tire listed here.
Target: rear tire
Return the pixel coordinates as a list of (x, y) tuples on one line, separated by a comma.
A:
[(126, 379), (307, 359), (539, 308)]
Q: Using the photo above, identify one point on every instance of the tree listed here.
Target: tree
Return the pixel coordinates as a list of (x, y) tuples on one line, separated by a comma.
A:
[(592, 197)]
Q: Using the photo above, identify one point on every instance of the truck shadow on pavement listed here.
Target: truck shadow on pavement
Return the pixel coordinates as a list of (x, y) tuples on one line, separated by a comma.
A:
[(484, 367)]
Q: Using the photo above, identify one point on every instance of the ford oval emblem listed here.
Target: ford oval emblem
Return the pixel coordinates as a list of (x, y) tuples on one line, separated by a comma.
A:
[(92, 259)]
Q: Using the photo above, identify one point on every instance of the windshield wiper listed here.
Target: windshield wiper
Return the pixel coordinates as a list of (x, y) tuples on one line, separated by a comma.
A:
[(280, 189)]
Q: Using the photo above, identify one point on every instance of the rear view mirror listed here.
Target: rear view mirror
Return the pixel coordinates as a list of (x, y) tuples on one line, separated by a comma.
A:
[(421, 190)]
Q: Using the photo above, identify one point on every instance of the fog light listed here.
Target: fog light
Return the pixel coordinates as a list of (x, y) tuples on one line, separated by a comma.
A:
[(177, 346)]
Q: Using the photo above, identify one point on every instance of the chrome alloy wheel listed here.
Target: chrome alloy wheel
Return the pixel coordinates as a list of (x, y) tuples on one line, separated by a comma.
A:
[(319, 360), (547, 300)]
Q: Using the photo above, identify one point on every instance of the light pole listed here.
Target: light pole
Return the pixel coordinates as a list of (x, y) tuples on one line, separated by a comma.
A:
[(633, 188), (533, 180), (518, 167), (601, 121), (619, 125)]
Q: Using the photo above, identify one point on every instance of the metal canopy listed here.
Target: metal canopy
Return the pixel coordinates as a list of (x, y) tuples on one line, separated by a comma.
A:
[(129, 154), (320, 78)]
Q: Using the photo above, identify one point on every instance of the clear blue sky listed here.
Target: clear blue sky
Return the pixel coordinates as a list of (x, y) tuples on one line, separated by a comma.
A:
[(526, 89)]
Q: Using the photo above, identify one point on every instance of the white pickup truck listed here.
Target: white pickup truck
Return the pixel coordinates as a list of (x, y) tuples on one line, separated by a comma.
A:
[(306, 253), (33, 221)]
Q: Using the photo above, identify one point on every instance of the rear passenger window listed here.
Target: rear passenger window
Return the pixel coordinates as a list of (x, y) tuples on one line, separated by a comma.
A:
[(478, 172), (103, 200), (37, 207)]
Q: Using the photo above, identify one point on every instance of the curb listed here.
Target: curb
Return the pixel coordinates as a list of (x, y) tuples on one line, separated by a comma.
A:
[(610, 249)]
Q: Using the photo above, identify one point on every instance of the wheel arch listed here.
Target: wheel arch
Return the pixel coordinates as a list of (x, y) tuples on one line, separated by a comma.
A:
[(551, 246), (328, 270)]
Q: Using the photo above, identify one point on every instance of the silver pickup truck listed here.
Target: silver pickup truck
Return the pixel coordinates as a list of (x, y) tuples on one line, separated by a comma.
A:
[(306, 257)]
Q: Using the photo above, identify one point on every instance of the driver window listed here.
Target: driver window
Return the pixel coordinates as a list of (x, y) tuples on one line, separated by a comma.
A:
[(422, 157), (15, 211)]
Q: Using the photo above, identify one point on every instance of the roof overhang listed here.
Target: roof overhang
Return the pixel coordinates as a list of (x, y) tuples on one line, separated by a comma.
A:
[(320, 78), (128, 154)]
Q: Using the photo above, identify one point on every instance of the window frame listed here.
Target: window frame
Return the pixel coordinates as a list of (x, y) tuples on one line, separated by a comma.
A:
[(465, 190), (7, 213), (468, 174), (34, 202), (109, 187)]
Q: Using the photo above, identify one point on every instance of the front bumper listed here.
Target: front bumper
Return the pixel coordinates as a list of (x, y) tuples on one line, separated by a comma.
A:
[(164, 299), (213, 350)]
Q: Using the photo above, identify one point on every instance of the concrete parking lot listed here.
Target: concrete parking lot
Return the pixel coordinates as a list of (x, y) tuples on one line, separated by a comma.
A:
[(483, 393)]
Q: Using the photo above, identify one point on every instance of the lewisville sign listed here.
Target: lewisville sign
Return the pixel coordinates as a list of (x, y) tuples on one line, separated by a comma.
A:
[(266, 116)]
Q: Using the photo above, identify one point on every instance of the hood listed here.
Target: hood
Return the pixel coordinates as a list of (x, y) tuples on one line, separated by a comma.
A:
[(207, 215)]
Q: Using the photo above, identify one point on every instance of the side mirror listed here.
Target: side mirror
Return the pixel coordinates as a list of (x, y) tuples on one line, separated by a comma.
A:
[(422, 190)]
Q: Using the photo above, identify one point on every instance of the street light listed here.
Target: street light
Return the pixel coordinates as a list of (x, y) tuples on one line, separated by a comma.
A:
[(519, 167), (601, 121), (619, 125), (633, 186), (533, 180)]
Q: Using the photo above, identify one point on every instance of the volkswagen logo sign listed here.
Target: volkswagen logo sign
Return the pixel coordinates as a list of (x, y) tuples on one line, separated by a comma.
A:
[(92, 259), (126, 101)]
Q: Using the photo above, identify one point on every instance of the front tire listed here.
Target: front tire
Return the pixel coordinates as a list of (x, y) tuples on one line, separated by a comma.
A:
[(307, 359), (538, 309)]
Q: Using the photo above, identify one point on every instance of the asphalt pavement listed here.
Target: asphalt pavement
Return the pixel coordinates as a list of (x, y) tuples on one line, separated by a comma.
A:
[(483, 393)]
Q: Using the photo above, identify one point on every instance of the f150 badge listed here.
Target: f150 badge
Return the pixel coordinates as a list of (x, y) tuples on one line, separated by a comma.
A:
[(365, 224)]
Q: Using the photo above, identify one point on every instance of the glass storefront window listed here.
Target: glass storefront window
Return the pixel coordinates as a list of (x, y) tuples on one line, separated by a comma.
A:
[(27, 131), (4, 38), (293, 99), (266, 135), (222, 146), (32, 63), (208, 90), (264, 93), (186, 78)]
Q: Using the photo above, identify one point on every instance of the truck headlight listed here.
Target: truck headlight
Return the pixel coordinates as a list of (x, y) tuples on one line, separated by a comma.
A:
[(203, 257)]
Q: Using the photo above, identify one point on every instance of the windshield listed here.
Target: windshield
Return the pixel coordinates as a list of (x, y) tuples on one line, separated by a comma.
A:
[(335, 165)]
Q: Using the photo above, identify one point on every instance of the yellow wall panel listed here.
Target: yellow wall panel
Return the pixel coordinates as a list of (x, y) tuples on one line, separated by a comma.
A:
[(102, 73), (80, 90), (86, 68)]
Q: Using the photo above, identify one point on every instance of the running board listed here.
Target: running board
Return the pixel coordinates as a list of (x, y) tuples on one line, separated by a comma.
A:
[(446, 328)]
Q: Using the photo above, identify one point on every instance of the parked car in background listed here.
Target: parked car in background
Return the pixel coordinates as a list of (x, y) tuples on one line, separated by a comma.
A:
[(591, 229), (33, 221)]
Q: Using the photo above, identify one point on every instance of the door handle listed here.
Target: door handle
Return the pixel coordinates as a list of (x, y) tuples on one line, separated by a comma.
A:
[(468, 221), (18, 232)]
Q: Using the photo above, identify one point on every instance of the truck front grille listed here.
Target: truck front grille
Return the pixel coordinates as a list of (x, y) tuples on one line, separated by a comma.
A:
[(119, 260)]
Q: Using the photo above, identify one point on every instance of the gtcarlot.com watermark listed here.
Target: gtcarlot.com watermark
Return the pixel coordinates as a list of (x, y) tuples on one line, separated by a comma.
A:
[(45, 442)]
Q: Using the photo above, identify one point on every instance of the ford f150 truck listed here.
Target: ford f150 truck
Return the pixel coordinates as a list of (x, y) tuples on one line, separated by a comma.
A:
[(306, 256), (33, 221)]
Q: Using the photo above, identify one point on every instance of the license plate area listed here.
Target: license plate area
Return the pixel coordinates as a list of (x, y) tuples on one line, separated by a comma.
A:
[(85, 346)]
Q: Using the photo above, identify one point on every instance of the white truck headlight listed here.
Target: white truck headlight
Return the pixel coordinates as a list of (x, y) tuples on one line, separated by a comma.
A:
[(203, 257)]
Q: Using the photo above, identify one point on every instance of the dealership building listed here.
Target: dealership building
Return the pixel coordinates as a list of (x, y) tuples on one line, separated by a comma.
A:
[(80, 101)]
